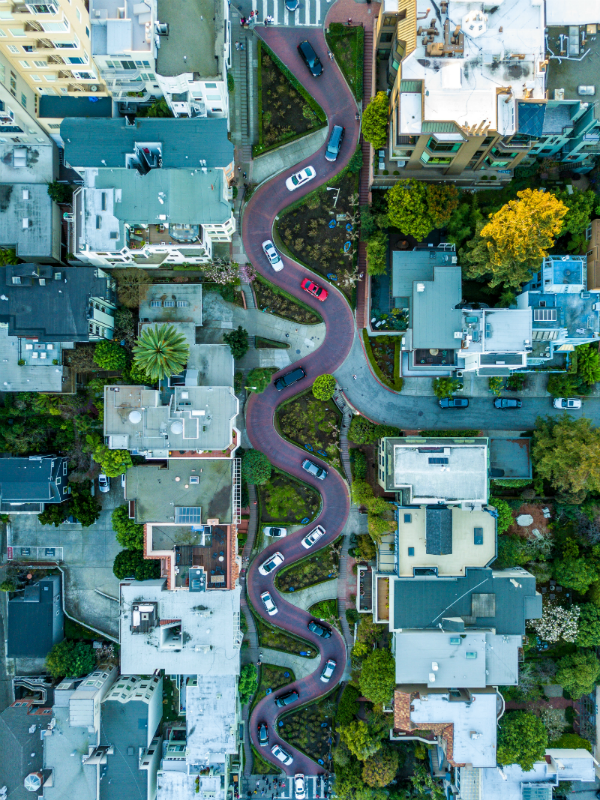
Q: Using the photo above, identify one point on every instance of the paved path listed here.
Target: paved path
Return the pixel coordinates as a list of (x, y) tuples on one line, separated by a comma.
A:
[(287, 155), (305, 598), (336, 99), (301, 667)]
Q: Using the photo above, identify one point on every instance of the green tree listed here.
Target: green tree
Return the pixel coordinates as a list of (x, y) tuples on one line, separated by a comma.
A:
[(424, 786), (129, 534), (442, 202), (258, 379), (588, 363), (159, 108), (112, 462), (377, 249), (248, 683), (360, 739), (380, 768), (132, 286), (495, 385), (566, 452), (324, 387), (578, 673), (84, 506), (256, 467), (356, 162), (283, 502), (348, 706), (505, 516), (55, 513), (575, 571), (572, 741), (445, 387), (9, 585), (70, 659), (407, 208), (161, 351), (375, 120), (512, 552), (522, 739), (563, 384), (363, 431), (588, 634), (378, 676), (8, 257), (110, 355), (137, 375), (60, 192), (580, 208), (132, 564), (238, 342)]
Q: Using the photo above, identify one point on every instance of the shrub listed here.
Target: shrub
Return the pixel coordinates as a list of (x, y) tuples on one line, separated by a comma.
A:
[(237, 341), (70, 659), (131, 564), (60, 192), (359, 465), (356, 161), (578, 673), (375, 120), (256, 467), (571, 741), (129, 534), (324, 387), (522, 739), (445, 387), (505, 517), (348, 706), (248, 683), (495, 385), (110, 355), (377, 249), (378, 676)]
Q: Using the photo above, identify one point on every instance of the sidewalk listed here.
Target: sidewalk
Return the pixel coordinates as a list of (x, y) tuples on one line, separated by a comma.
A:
[(305, 598), (301, 667), (287, 156)]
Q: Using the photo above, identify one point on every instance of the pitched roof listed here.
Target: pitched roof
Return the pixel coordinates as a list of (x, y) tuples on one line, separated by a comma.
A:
[(35, 619), (28, 479)]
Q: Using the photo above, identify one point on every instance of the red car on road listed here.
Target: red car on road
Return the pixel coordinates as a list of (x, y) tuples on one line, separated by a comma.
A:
[(312, 288)]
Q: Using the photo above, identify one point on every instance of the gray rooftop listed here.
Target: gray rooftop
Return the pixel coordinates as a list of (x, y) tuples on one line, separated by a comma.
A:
[(31, 377), (154, 296), (185, 142), (438, 531), (569, 74), (26, 219), (71, 779), (31, 480), (60, 107), (572, 311), (483, 598), (157, 491), (511, 456), (35, 619), (195, 41), (415, 265), (21, 750), (211, 719), (434, 318), (27, 163), (125, 725)]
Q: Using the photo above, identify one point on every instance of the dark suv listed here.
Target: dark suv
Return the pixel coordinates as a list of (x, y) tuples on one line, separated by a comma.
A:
[(507, 402), (286, 699), (320, 630), (287, 380), (334, 145), (454, 402), (310, 58)]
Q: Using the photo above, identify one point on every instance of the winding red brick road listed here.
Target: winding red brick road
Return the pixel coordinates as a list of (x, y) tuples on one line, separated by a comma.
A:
[(332, 93)]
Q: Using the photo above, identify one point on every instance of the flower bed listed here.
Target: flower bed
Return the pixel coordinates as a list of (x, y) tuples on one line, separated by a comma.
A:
[(317, 568), (316, 423), (383, 353), (287, 501), (309, 730), (276, 639), (276, 301), (347, 44)]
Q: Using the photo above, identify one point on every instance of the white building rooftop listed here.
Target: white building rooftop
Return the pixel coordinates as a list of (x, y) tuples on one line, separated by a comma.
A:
[(211, 719), (174, 785)]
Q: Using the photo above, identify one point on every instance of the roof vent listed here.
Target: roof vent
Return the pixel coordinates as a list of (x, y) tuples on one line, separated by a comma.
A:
[(420, 287), (135, 417)]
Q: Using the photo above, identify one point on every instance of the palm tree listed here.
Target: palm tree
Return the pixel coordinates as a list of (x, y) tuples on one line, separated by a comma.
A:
[(160, 352)]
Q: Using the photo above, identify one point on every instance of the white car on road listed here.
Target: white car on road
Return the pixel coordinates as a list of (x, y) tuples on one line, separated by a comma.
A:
[(328, 671), (103, 482), (272, 254), (269, 604), (567, 402), (313, 537), (271, 563), (275, 533), (299, 787), (281, 754), (300, 178)]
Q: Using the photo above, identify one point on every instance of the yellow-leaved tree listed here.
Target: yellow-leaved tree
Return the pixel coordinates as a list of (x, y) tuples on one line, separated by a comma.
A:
[(511, 246)]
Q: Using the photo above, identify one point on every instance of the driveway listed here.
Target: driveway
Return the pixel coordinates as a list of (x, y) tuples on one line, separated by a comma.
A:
[(85, 554)]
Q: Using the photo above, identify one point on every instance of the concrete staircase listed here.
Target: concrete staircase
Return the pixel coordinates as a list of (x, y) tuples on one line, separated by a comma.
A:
[(347, 415), (364, 193), (244, 128)]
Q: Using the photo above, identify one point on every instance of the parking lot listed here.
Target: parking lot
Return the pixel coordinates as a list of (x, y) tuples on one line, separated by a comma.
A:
[(85, 554)]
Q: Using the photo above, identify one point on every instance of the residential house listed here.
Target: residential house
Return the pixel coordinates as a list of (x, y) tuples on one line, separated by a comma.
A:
[(22, 725), (193, 52), (28, 484), (35, 619), (510, 458), (173, 631), (151, 198), (565, 313), (18, 107)]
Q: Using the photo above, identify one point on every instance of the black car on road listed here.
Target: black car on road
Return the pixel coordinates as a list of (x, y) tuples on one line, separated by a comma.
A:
[(310, 58), (290, 378), (507, 402), (454, 402), (285, 699), (320, 630)]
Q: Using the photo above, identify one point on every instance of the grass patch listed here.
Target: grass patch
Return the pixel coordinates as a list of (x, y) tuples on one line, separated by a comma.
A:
[(325, 609), (383, 353), (309, 730), (273, 677), (263, 344), (286, 111), (305, 233), (170, 700), (276, 639), (304, 420), (286, 500), (316, 568), (260, 766), (348, 44), (73, 630), (276, 301)]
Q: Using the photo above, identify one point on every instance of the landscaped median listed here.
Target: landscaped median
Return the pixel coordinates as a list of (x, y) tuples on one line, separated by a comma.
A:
[(286, 111), (347, 43), (273, 300), (315, 568), (384, 353)]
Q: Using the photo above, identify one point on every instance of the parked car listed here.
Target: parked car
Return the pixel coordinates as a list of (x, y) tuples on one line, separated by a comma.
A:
[(103, 482), (275, 533), (507, 402), (286, 699), (263, 734), (313, 537), (290, 378), (123, 481), (271, 563), (292, 5), (313, 288), (334, 145), (299, 787), (313, 469), (281, 754), (268, 603), (328, 671), (566, 402), (319, 630), (272, 254), (310, 58), (454, 402), (300, 178)]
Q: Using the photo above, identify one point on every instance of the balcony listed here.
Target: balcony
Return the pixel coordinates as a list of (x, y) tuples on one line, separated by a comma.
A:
[(46, 44), (65, 74), (56, 60), (33, 25)]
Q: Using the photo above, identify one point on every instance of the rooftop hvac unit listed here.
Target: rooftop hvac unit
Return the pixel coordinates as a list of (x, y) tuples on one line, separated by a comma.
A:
[(194, 479), (420, 287)]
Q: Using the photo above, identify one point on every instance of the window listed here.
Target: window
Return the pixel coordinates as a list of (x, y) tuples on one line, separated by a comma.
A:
[(13, 83), (18, 33), (23, 100), (411, 551), (87, 31), (40, 63), (43, 8), (435, 160), (12, 48), (50, 77), (24, 64), (408, 518), (128, 64), (544, 315), (35, 78), (58, 481), (28, 48), (444, 147), (386, 37), (85, 76), (211, 85), (75, 60), (387, 21), (2, 34), (78, 12)]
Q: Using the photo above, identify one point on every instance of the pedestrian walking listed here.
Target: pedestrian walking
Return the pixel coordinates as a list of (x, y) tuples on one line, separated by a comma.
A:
[(237, 45), (266, 22), (239, 169), (330, 54), (349, 20), (245, 176), (354, 376)]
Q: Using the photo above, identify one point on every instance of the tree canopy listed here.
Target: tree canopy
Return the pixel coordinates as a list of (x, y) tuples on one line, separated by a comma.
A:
[(132, 564), (578, 672), (380, 768), (248, 683), (375, 120), (132, 285), (445, 387), (160, 351), (589, 625), (378, 676), (377, 248), (566, 452), (112, 462), (258, 379), (129, 534), (360, 739), (70, 659), (110, 355), (580, 209), (588, 363), (522, 739), (407, 208), (256, 467), (363, 431), (324, 387), (505, 517), (237, 341)]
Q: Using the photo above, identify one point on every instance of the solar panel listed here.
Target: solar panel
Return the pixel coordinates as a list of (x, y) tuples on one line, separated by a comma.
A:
[(188, 515)]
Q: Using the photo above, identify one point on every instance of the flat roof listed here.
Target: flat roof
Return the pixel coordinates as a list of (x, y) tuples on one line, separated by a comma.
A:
[(30, 202), (157, 490), (506, 329), (576, 12), (434, 317), (60, 107), (450, 472), (511, 456), (32, 377), (476, 717), (579, 70), (71, 778), (196, 38), (578, 765), (210, 712), (175, 785), (412, 541), (125, 726), (38, 163), (210, 626), (470, 660), (153, 298)]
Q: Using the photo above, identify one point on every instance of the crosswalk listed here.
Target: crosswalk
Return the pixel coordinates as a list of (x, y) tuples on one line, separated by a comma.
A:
[(310, 13)]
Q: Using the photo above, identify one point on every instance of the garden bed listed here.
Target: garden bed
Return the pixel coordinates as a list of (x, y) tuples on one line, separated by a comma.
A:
[(309, 730), (262, 767), (305, 232), (316, 423), (286, 111), (276, 639), (276, 301), (347, 45), (316, 568), (272, 677), (383, 353), (285, 500), (264, 344)]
